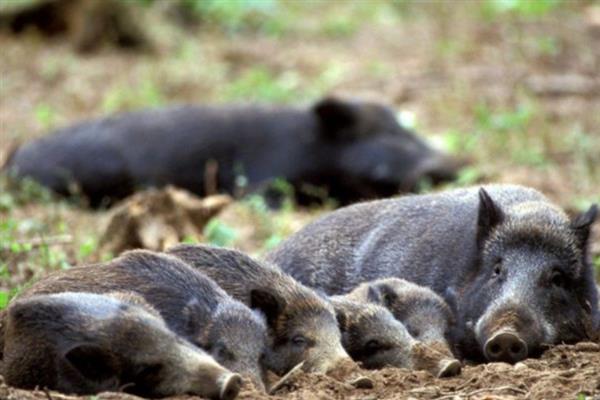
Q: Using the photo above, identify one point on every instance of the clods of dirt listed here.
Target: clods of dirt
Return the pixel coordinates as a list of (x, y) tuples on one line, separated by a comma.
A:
[(563, 372), (159, 218)]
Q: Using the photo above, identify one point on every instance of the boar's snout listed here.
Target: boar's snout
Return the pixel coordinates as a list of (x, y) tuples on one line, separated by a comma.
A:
[(230, 386), (505, 346), (329, 362), (434, 359), (449, 367)]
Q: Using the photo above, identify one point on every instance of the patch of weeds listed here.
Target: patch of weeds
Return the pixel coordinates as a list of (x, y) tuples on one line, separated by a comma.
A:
[(45, 115), (339, 26), (87, 247), (530, 9), (147, 94), (460, 142), (259, 84), (4, 299), (236, 16), (468, 176), (19, 191), (510, 131), (219, 233), (596, 264)]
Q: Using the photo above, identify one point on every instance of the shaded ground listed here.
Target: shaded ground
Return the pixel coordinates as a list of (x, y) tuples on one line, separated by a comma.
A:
[(564, 372), (517, 94)]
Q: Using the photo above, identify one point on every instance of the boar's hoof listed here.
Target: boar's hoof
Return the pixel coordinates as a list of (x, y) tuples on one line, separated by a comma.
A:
[(505, 346), (449, 367), (231, 387)]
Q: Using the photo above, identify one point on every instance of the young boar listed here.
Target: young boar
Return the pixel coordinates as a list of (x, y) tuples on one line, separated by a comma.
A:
[(372, 336), (424, 313), (302, 325), (516, 264), (85, 343), (191, 304), (353, 150)]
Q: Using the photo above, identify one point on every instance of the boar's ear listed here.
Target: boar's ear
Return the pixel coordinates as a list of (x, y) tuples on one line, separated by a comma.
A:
[(95, 363), (268, 303), (342, 319), (581, 225), (194, 318), (382, 294), (336, 118), (489, 216)]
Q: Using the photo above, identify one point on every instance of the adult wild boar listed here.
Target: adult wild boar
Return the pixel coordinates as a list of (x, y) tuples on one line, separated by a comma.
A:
[(355, 150), (302, 325), (86, 343), (515, 263), (191, 304)]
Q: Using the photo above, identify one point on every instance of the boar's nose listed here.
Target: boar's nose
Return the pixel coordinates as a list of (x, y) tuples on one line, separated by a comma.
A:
[(505, 346), (230, 387)]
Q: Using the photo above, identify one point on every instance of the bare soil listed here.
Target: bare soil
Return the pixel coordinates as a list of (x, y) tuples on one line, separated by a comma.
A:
[(563, 372)]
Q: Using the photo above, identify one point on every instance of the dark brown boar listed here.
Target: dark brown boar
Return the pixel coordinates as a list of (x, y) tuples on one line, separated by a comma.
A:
[(302, 325), (86, 343), (191, 304)]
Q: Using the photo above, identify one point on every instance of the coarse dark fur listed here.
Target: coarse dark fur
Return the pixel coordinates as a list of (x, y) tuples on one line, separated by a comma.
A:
[(505, 253), (191, 304), (372, 336), (423, 312), (302, 325), (86, 343), (354, 150)]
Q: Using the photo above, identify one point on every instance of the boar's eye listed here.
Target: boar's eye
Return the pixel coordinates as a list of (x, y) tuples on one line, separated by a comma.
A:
[(558, 279), (373, 345), (299, 340)]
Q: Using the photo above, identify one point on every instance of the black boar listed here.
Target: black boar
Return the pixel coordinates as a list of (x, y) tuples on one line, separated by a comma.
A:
[(355, 150), (516, 264), (302, 325), (86, 343), (372, 336), (423, 312), (191, 304)]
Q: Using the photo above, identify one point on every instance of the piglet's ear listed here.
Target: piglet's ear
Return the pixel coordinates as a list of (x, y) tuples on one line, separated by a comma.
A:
[(382, 294), (582, 224), (195, 318), (336, 118), (342, 319), (490, 215), (270, 304), (95, 363)]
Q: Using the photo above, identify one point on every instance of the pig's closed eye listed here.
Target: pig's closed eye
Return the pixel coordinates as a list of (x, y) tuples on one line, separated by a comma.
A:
[(299, 340), (373, 345), (558, 279)]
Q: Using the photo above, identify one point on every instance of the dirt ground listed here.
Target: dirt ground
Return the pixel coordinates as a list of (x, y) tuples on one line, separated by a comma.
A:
[(517, 95), (564, 372)]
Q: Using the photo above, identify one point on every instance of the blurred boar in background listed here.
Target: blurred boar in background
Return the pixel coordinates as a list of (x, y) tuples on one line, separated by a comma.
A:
[(87, 23), (352, 150), (86, 343), (191, 304), (302, 325), (517, 266)]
